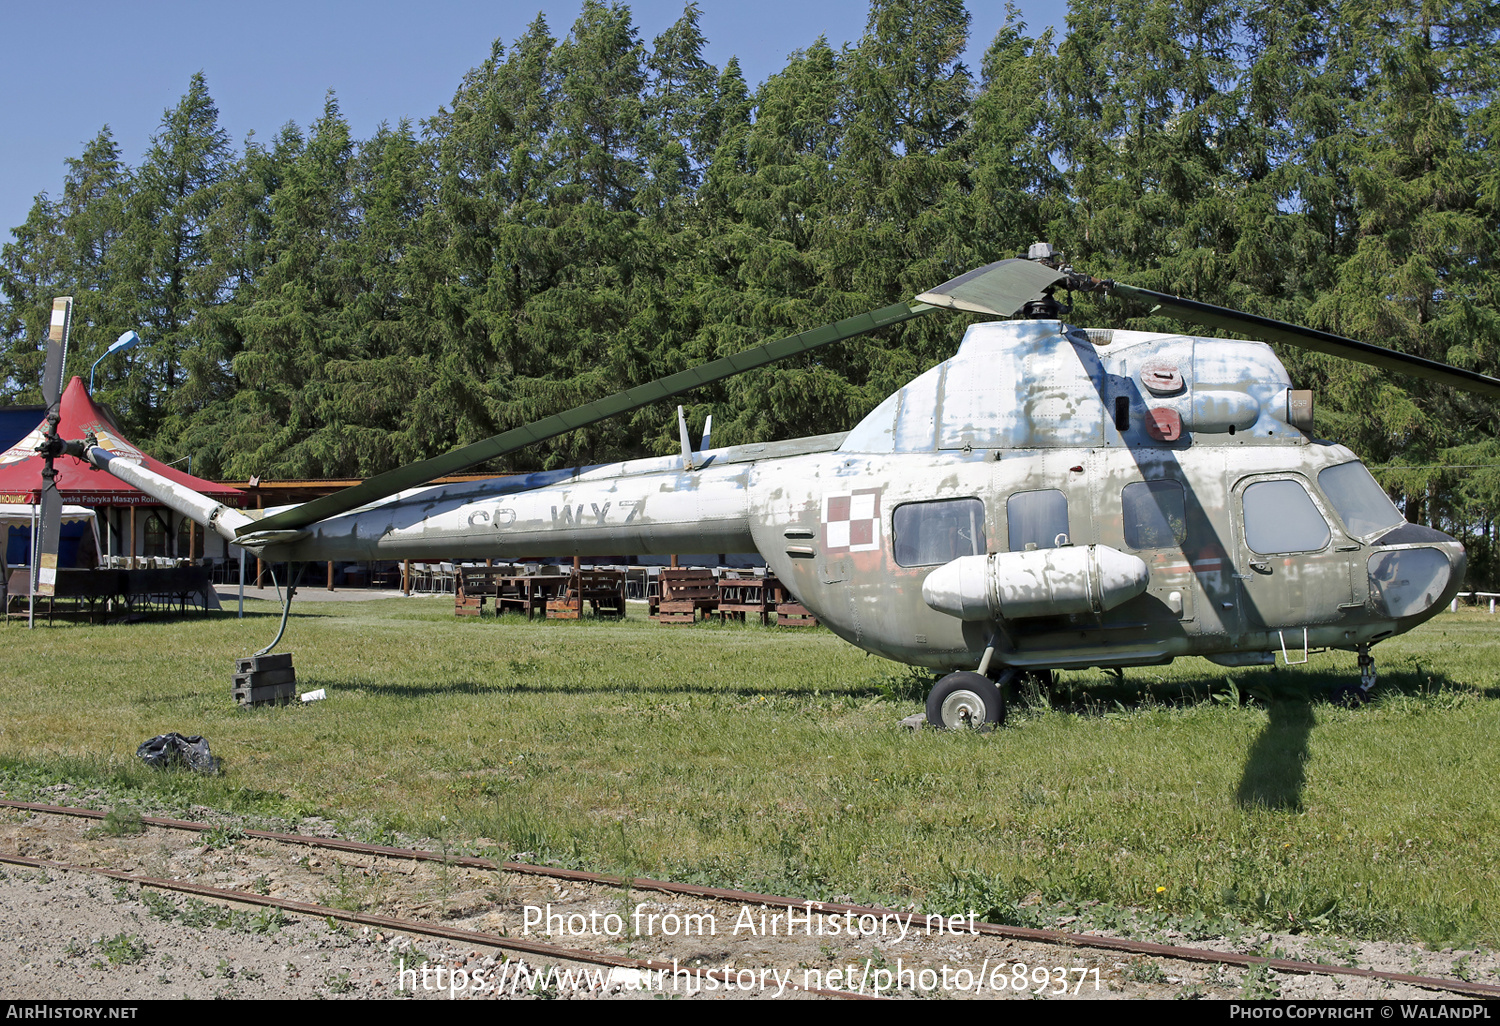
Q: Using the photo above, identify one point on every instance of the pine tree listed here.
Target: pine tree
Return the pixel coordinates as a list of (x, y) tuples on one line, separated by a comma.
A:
[(32, 271), (598, 113), (1015, 188), (678, 136), (289, 420), (1421, 276), (178, 278)]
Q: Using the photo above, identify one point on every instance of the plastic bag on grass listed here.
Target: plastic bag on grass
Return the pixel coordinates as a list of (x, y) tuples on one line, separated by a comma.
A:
[(168, 750)]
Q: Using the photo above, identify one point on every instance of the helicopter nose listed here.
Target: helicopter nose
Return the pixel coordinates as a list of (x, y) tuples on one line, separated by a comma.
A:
[(1420, 576)]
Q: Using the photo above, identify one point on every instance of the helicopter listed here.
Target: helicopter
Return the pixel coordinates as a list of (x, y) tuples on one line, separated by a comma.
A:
[(1051, 497)]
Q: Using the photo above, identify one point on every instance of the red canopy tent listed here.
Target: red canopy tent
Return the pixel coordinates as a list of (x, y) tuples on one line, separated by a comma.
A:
[(79, 483)]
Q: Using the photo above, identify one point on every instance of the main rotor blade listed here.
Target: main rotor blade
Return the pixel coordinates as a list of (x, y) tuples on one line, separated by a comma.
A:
[(1002, 288), (57, 350), (1194, 312), (459, 460)]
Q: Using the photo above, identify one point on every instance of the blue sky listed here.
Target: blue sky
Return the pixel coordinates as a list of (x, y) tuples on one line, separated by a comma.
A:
[(124, 63)]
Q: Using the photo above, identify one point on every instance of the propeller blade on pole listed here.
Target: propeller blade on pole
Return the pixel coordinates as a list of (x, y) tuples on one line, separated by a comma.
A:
[(44, 572), (57, 351), (459, 460), (1194, 312), (44, 575)]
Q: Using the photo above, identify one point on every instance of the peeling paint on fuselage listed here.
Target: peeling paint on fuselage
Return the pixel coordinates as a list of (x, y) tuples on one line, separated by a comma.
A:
[(1024, 406)]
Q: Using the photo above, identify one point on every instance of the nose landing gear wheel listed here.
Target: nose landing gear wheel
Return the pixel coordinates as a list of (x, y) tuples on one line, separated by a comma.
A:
[(965, 700)]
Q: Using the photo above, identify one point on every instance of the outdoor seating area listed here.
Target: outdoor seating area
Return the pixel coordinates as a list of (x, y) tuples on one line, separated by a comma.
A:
[(100, 593), (433, 578), (557, 593), (676, 595)]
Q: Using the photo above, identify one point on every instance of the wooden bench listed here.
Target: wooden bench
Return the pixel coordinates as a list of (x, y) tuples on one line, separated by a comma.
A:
[(741, 596), (683, 594), (474, 584)]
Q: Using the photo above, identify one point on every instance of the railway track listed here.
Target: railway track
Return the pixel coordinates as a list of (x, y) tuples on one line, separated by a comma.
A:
[(658, 936)]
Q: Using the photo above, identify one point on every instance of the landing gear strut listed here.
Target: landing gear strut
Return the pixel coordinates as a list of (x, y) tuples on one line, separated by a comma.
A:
[(1352, 695)]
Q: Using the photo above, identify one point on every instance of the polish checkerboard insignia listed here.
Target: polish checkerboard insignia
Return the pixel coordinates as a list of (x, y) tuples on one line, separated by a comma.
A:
[(851, 523)]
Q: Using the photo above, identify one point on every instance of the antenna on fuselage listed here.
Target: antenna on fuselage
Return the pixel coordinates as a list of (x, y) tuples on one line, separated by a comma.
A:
[(687, 448)]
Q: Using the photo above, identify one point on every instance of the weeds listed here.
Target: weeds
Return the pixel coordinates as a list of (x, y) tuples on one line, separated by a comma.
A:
[(223, 836), (355, 890), (201, 915), (123, 949), (121, 821), (1258, 984), (1143, 970)]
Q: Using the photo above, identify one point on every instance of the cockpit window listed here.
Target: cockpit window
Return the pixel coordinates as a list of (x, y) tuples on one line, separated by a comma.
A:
[(1366, 509), (932, 533), (1155, 515), (1038, 519), (1281, 517)]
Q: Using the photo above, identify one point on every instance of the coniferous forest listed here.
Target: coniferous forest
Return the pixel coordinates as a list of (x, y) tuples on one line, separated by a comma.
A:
[(593, 209)]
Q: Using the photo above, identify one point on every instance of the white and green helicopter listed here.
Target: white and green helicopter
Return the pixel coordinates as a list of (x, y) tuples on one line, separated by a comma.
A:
[(1052, 497)]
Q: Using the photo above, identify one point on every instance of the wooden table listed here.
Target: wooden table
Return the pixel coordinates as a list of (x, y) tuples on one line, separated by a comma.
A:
[(557, 596)]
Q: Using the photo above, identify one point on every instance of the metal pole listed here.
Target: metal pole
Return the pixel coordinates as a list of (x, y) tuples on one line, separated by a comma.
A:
[(242, 584), (31, 577)]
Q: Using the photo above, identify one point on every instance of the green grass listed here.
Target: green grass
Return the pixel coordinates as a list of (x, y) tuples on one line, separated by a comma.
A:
[(1187, 796)]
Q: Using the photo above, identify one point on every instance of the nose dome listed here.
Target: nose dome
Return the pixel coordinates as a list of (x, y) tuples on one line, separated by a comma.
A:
[(1421, 576)]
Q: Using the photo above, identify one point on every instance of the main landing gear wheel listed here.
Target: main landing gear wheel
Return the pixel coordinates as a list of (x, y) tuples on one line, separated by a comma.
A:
[(965, 699)]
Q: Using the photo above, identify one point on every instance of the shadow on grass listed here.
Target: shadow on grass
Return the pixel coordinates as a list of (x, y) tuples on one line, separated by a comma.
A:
[(469, 687), (1262, 685), (1276, 768), (1267, 687)]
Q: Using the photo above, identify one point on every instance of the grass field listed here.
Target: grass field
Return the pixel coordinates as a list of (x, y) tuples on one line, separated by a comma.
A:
[(1185, 796)]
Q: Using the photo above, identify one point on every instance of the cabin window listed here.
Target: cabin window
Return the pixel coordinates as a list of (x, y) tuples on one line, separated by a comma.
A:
[(933, 533), (1281, 517), (1037, 519), (1155, 515), (1363, 504)]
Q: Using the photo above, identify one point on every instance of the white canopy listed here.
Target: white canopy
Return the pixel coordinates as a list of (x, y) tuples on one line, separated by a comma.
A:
[(20, 514)]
